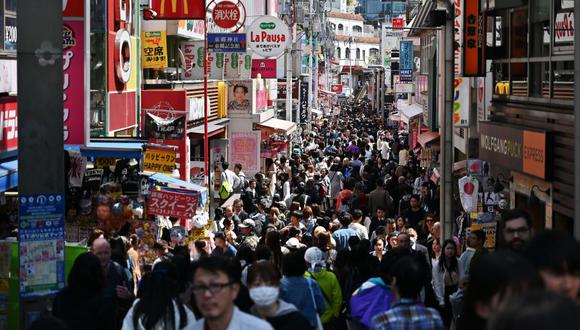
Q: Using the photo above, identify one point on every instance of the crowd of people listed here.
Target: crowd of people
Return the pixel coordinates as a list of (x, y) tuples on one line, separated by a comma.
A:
[(344, 233)]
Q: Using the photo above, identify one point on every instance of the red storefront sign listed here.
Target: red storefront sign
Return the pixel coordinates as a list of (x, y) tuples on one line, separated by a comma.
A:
[(337, 88), (172, 204), (398, 23), (178, 9), (226, 14), (9, 124), (266, 68), (474, 40)]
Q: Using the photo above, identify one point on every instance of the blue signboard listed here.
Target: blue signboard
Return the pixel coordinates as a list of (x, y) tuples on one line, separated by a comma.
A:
[(41, 244), (406, 61), (226, 42)]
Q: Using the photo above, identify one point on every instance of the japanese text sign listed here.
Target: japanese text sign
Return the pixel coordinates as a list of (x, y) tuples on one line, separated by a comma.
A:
[(178, 9), (406, 61), (159, 160), (473, 42), (172, 204), (458, 36), (226, 42), (268, 36), (154, 50), (226, 14), (8, 125), (303, 102), (266, 68)]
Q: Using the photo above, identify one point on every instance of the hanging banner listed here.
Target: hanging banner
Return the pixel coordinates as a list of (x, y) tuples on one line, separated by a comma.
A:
[(244, 149), (303, 102), (268, 36), (74, 80), (266, 68), (159, 160), (172, 204), (406, 61), (41, 244), (474, 40), (468, 193), (226, 42), (461, 102), (154, 49), (336, 88), (177, 9), (458, 36), (164, 129)]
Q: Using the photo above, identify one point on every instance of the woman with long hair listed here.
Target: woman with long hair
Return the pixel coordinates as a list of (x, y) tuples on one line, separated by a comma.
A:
[(447, 272), (157, 305), (81, 305), (273, 243)]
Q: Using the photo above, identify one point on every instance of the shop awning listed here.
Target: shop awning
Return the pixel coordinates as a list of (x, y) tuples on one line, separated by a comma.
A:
[(427, 138), (279, 125), (460, 167), (409, 112), (213, 128), (8, 175), (317, 112), (113, 149)]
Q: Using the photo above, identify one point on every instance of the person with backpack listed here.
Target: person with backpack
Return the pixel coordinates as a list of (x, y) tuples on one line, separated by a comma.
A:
[(316, 262), (229, 181)]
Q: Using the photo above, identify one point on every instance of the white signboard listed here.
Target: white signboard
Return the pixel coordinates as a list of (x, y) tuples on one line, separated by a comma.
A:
[(195, 108), (8, 76), (461, 102), (566, 4), (484, 91), (268, 36), (564, 28)]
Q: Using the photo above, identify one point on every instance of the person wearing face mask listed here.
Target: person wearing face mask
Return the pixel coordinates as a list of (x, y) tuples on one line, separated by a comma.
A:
[(316, 262), (264, 286)]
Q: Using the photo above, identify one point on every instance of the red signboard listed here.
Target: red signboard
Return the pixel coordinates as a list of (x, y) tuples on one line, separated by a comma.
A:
[(474, 40), (73, 8), (337, 88), (178, 9), (266, 68), (172, 204), (398, 23), (8, 124), (226, 14)]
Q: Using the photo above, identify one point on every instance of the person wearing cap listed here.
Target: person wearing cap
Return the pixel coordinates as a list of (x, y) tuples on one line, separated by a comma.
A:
[(249, 237), (316, 262)]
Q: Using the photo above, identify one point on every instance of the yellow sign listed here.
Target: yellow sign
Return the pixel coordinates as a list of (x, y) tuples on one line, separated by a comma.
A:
[(154, 50), (105, 162), (159, 160), (489, 229)]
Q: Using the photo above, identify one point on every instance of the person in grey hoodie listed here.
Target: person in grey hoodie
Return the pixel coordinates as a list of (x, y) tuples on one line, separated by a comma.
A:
[(264, 287)]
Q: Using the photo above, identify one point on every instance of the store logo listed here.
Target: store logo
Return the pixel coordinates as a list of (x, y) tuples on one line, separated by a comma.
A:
[(68, 38), (268, 26), (123, 56)]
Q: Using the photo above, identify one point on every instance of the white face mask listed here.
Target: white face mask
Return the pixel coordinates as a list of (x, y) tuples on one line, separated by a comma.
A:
[(264, 295)]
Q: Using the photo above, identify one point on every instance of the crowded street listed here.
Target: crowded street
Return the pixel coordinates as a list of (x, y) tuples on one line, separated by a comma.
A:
[(289, 165)]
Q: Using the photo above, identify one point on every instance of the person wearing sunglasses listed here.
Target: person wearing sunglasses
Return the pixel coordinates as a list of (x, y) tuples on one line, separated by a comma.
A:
[(216, 284)]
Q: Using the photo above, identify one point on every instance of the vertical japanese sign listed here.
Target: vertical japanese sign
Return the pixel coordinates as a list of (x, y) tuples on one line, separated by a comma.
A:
[(461, 102), (74, 78), (154, 50), (245, 150), (458, 27), (473, 42), (41, 237), (303, 102), (406, 61)]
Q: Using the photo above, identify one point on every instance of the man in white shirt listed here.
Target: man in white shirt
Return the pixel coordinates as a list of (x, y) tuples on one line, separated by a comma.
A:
[(356, 225), (216, 284), (230, 176)]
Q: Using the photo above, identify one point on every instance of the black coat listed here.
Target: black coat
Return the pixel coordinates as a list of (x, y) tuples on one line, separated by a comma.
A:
[(83, 313)]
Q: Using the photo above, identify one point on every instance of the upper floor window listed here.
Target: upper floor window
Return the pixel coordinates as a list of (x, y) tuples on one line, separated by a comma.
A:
[(340, 27), (358, 53)]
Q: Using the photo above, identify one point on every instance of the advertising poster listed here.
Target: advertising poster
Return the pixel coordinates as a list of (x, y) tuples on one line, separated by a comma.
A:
[(244, 150), (490, 233), (8, 125), (406, 61), (237, 66), (8, 82), (193, 54), (461, 102), (172, 204), (240, 97), (41, 248), (74, 82), (197, 173), (154, 50)]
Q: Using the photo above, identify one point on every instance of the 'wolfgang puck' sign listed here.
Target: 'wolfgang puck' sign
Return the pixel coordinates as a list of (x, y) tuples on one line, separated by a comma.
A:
[(268, 36)]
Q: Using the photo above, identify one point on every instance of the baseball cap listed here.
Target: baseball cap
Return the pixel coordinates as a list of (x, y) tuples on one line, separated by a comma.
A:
[(294, 243), (248, 223)]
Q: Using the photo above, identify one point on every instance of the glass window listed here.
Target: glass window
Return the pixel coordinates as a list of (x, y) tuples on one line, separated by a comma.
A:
[(519, 33), (358, 53), (340, 27), (519, 79), (347, 53), (338, 54), (501, 79), (563, 80), (364, 55), (10, 5), (540, 79)]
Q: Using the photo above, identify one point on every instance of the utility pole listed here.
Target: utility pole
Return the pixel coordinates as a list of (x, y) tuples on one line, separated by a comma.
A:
[(446, 160), (577, 131), (288, 84)]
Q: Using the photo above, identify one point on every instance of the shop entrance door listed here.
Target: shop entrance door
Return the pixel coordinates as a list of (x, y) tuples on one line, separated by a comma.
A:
[(537, 211)]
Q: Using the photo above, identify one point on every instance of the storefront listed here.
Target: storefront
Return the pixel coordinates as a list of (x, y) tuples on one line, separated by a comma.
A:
[(430, 148), (525, 156), (275, 136)]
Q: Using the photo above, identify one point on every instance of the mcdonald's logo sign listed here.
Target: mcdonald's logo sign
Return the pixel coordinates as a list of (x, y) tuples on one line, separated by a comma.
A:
[(178, 9)]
